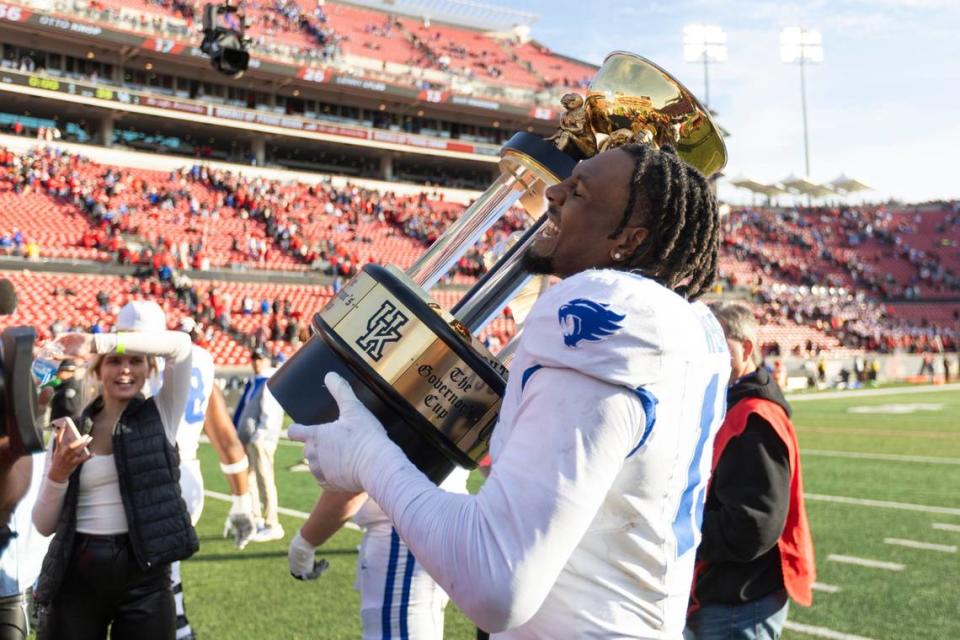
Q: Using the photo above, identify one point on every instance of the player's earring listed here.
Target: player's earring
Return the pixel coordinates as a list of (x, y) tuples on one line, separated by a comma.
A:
[(617, 256)]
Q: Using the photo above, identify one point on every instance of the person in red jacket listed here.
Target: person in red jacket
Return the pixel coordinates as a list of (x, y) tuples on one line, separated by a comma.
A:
[(756, 552)]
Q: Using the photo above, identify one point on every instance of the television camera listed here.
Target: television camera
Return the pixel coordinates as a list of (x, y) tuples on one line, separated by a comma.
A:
[(223, 39), (19, 433)]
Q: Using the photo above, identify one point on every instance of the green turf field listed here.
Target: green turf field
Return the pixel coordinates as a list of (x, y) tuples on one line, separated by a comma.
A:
[(874, 450)]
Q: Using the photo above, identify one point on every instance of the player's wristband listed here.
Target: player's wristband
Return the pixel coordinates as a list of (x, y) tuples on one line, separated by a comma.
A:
[(242, 504), (235, 467), (301, 544)]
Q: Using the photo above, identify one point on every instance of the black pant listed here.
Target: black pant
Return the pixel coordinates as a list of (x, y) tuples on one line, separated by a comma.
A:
[(105, 587), (13, 624)]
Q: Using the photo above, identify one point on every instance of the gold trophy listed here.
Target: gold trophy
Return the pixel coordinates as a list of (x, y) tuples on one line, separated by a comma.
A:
[(419, 368)]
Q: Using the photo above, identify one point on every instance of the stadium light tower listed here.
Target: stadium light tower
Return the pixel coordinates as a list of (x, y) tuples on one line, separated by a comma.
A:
[(801, 46), (704, 43)]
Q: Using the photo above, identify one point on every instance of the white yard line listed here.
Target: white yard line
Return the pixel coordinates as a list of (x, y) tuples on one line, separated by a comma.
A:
[(887, 457), (826, 588), (889, 433), (821, 632), (864, 393), (925, 546), (866, 562), (303, 515), (882, 504), (943, 526)]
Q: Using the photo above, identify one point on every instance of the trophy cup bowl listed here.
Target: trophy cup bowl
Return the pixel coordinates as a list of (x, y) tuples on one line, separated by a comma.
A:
[(417, 367), (631, 93)]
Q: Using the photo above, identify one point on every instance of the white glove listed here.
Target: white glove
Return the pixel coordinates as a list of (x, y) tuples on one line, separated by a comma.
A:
[(303, 565), (341, 453), (240, 520)]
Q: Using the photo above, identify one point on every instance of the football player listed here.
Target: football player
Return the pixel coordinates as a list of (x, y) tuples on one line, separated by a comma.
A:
[(588, 524), (398, 598)]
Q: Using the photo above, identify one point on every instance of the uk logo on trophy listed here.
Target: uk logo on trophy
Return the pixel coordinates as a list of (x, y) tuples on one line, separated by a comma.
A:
[(383, 327), (582, 319)]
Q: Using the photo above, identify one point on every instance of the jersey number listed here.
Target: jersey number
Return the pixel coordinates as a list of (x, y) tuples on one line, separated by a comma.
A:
[(689, 517), (194, 412)]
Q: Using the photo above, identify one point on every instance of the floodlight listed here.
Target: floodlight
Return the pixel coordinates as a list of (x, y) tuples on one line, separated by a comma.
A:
[(802, 46), (704, 43), (798, 44)]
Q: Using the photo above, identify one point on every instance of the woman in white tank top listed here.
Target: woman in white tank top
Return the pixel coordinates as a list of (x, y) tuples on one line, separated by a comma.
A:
[(104, 579)]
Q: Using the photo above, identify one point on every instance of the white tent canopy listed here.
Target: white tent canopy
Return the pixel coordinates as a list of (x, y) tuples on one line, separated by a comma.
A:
[(845, 184), (807, 187), (755, 186)]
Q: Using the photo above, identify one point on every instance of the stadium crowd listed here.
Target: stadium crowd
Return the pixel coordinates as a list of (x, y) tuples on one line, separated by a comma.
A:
[(855, 320), (839, 246), (829, 268), (269, 26)]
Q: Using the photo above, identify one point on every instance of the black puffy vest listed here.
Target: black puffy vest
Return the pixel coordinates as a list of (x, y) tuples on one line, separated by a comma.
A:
[(148, 469)]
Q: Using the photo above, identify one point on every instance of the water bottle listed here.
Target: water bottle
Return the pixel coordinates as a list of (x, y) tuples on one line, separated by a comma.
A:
[(47, 362)]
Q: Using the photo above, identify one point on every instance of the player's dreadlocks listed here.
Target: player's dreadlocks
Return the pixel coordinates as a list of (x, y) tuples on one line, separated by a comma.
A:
[(675, 202)]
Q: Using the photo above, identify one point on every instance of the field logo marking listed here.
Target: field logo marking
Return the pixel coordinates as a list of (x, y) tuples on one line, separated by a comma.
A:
[(924, 546), (821, 632), (896, 409), (866, 562)]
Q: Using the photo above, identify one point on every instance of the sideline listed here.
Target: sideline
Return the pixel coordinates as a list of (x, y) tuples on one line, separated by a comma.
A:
[(866, 393), (303, 515)]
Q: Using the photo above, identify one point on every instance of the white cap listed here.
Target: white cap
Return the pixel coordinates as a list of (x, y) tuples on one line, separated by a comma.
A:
[(141, 315)]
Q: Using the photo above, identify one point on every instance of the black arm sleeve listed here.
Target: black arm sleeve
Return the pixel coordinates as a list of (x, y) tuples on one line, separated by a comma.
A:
[(750, 496)]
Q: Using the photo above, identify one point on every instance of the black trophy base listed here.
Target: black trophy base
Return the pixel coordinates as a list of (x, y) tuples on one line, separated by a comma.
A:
[(430, 344), (299, 388)]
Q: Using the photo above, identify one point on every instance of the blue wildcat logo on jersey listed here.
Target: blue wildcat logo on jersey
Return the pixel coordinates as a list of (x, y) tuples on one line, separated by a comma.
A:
[(582, 319)]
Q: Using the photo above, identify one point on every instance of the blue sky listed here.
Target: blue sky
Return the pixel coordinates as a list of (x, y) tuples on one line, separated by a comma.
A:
[(883, 107)]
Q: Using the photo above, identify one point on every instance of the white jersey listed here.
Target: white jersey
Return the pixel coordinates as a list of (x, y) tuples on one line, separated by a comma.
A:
[(201, 386), (630, 574), (588, 524), (371, 517)]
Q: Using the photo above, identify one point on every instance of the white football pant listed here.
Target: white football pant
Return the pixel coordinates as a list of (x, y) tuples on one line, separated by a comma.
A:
[(398, 599)]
